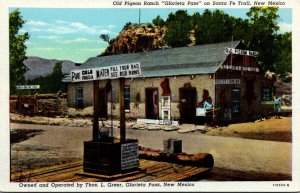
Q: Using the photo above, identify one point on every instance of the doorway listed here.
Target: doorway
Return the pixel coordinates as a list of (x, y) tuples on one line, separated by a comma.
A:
[(187, 101), (152, 111), (102, 103)]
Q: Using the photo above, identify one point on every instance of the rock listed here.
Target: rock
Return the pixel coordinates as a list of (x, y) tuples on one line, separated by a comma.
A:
[(186, 130), (153, 127), (139, 126), (170, 128)]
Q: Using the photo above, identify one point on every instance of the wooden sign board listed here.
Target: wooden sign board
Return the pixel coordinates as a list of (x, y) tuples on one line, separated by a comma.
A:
[(130, 70), (200, 112), (129, 155), (228, 81), (27, 87), (240, 52)]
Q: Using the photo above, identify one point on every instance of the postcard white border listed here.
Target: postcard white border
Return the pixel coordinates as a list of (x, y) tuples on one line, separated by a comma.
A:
[(261, 186)]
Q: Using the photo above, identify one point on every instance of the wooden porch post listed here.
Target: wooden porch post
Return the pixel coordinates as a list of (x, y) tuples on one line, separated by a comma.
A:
[(122, 110), (96, 110)]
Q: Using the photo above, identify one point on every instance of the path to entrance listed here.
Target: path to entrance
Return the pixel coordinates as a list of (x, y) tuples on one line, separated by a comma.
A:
[(230, 153)]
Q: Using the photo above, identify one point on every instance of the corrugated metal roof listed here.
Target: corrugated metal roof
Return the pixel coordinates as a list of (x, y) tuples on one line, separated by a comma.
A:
[(201, 59)]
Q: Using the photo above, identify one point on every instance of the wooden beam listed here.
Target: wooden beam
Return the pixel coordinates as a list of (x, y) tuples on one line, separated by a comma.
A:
[(122, 110), (96, 110)]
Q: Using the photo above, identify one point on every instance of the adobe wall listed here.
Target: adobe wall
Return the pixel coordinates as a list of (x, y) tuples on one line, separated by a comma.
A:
[(138, 86)]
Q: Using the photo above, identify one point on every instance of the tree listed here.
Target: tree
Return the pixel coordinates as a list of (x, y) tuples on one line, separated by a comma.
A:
[(213, 27), (105, 37), (17, 50), (158, 21), (56, 78), (51, 83), (261, 35), (179, 27), (283, 47)]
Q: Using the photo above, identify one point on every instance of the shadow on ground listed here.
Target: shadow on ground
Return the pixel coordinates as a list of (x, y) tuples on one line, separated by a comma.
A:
[(19, 135)]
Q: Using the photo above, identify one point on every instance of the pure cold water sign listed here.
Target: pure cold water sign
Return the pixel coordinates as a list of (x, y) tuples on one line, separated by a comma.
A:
[(109, 72)]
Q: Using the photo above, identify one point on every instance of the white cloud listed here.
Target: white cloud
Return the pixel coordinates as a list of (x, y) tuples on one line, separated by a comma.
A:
[(30, 43), (111, 26), (84, 28), (77, 40), (36, 23), (66, 27), (60, 22), (49, 37), (61, 30), (91, 49), (35, 30), (48, 49), (104, 31), (285, 27)]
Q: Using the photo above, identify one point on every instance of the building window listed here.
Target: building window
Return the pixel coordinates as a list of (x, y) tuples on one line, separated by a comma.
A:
[(266, 94), (236, 100), (79, 98), (127, 98)]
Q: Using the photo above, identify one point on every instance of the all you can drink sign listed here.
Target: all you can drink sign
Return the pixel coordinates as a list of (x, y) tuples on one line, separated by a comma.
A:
[(130, 70)]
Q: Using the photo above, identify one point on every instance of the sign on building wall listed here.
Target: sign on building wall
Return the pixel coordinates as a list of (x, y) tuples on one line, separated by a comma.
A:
[(23, 87), (129, 155), (228, 81), (240, 52), (240, 68), (200, 112), (108, 72)]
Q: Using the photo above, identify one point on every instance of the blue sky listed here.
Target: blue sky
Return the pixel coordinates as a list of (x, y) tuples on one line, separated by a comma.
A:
[(73, 34)]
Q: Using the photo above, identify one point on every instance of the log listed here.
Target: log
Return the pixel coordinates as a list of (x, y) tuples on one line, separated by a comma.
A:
[(199, 159)]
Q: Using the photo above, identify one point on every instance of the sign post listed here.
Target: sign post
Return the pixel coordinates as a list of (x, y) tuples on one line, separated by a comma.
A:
[(122, 110), (96, 110), (109, 156)]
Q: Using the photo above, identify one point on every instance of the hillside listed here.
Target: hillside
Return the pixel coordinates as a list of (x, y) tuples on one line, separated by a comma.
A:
[(42, 67)]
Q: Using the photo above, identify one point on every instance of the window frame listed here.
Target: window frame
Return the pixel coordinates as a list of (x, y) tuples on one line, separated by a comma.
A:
[(78, 98), (262, 98), (233, 102), (127, 99)]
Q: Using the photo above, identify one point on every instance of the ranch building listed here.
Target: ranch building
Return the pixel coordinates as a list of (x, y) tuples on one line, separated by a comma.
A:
[(175, 81)]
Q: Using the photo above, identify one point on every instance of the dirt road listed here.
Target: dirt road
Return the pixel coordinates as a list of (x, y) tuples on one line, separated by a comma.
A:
[(235, 158)]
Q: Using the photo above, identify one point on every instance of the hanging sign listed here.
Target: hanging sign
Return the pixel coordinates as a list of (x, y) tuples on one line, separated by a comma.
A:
[(240, 52), (28, 87), (108, 72)]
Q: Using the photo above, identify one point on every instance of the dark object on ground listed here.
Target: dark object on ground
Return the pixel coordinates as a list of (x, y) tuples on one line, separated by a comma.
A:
[(200, 159)]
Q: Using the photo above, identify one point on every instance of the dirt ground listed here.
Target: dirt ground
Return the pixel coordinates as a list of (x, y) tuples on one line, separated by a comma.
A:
[(265, 154), (269, 129)]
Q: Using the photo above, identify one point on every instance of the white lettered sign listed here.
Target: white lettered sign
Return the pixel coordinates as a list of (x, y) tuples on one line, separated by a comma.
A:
[(129, 155), (240, 52), (109, 72), (228, 81), (23, 87)]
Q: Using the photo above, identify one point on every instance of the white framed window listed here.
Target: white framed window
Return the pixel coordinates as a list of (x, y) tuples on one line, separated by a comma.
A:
[(236, 100), (266, 94), (79, 98)]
